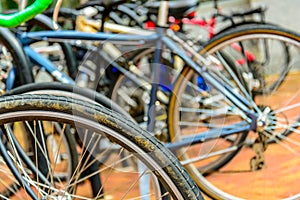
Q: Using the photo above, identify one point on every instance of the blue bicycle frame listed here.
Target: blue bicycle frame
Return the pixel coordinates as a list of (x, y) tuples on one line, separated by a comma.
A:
[(159, 39)]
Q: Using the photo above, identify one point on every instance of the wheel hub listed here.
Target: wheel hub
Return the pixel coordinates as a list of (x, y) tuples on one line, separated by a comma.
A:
[(266, 120)]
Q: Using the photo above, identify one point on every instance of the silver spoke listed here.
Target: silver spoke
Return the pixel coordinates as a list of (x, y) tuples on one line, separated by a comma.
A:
[(286, 108), (209, 155), (286, 146)]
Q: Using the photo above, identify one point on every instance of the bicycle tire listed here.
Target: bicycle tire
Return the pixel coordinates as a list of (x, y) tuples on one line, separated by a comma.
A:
[(271, 133), (75, 92), (17, 59), (64, 149), (67, 90), (68, 137), (153, 154)]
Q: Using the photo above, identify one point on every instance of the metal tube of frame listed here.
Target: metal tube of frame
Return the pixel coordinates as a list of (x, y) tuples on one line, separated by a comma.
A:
[(234, 98), (156, 80), (206, 136), (22, 4), (44, 62), (57, 36)]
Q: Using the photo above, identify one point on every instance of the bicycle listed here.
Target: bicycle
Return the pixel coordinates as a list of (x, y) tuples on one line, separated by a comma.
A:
[(240, 102), (42, 108), (236, 19), (152, 9)]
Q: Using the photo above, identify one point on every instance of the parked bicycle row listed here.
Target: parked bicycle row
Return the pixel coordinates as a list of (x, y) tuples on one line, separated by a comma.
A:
[(130, 98)]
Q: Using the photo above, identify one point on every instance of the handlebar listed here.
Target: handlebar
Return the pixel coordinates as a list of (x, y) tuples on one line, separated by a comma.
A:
[(15, 19)]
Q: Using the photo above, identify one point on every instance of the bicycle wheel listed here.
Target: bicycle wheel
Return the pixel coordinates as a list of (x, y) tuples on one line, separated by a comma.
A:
[(263, 168), (67, 90), (92, 122), (86, 95)]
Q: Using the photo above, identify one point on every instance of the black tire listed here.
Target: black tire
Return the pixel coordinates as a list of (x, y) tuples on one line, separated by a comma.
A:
[(104, 123), (15, 58), (61, 89), (87, 95)]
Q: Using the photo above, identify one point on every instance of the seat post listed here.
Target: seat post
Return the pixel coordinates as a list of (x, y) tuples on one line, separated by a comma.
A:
[(163, 14), (22, 4)]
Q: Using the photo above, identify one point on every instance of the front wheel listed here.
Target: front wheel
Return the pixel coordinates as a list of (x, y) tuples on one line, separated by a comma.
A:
[(93, 123)]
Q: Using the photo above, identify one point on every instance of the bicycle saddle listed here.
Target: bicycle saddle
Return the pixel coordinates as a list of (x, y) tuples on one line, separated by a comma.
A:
[(177, 9)]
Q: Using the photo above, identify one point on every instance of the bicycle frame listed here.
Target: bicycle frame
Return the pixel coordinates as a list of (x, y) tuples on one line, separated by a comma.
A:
[(160, 38)]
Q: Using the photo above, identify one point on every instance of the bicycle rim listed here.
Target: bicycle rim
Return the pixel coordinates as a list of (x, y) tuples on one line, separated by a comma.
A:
[(103, 127)]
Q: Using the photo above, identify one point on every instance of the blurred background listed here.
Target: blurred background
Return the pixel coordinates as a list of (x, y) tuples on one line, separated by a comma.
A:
[(285, 13), (11, 4)]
